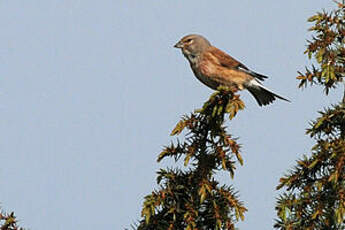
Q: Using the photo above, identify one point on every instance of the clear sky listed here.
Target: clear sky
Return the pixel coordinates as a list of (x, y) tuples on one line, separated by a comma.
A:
[(90, 90)]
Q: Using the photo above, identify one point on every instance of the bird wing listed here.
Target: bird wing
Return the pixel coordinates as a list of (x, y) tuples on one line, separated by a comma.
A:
[(227, 61)]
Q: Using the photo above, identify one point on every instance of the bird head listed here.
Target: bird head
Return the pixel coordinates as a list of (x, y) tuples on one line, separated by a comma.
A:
[(192, 46)]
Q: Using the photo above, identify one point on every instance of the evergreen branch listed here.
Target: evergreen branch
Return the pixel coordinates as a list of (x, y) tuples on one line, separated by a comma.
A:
[(192, 198)]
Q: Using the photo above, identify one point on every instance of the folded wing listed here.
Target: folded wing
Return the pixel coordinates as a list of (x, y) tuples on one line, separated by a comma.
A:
[(227, 61)]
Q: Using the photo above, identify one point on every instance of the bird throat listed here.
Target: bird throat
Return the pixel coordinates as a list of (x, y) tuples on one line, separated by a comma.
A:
[(191, 58)]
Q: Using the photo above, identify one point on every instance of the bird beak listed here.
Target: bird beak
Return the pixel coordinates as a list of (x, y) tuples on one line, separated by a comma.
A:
[(178, 45)]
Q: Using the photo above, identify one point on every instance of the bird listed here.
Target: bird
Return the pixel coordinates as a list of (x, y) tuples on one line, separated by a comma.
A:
[(215, 68)]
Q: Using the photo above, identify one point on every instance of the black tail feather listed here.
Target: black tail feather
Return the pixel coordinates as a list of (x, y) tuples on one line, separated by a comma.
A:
[(263, 96)]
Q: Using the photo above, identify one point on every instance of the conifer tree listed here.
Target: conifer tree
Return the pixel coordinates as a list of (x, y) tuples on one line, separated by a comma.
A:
[(8, 221), (314, 196), (191, 198)]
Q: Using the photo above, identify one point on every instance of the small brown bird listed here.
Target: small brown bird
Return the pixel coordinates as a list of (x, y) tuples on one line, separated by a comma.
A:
[(213, 67)]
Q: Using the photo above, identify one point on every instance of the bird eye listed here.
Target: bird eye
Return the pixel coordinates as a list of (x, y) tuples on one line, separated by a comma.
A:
[(188, 40)]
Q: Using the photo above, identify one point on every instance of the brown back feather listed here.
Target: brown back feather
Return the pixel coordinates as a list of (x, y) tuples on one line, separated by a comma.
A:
[(224, 59)]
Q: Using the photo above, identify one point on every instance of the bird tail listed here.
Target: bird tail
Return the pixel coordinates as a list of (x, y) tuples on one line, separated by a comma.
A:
[(261, 94)]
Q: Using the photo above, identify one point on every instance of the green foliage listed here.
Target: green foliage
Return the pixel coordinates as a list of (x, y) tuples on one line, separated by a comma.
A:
[(192, 198), (8, 222), (327, 48), (315, 187)]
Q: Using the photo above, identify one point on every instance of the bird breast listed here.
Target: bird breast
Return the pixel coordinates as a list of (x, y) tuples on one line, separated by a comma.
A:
[(201, 72)]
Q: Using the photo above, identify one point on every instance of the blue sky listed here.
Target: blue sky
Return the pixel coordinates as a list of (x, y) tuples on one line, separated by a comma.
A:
[(90, 90)]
